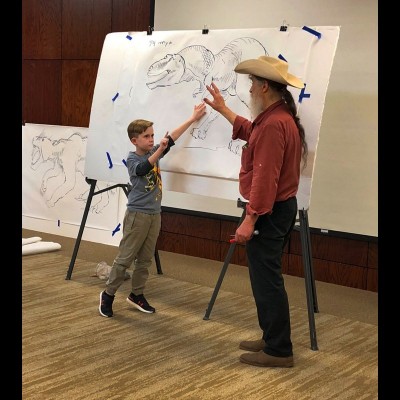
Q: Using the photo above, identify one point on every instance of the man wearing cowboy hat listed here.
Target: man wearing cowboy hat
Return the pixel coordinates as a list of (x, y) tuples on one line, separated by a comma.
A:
[(268, 179)]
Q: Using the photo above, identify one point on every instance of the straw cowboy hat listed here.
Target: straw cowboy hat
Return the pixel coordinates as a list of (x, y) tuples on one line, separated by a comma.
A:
[(270, 68)]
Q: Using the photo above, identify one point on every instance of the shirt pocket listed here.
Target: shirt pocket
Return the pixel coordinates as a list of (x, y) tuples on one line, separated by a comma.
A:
[(247, 158)]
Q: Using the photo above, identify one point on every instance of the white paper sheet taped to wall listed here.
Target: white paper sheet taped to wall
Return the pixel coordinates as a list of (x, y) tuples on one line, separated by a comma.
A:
[(38, 246)]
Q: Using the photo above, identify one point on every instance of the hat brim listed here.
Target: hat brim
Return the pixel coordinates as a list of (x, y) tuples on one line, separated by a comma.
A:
[(267, 71)]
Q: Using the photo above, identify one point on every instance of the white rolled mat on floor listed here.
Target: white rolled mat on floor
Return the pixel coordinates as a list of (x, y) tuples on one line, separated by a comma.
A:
[(33, 239), (35, 245)]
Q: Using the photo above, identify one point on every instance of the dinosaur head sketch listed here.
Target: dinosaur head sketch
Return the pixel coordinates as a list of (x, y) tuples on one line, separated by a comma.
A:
[(62, 160), (167, 71), (41, 151)]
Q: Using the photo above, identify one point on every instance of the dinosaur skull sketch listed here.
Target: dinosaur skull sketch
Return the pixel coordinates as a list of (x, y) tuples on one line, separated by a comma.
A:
[(64, 159)]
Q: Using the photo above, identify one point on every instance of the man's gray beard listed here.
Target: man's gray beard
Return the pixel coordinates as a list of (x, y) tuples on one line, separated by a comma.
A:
[(255, 107)]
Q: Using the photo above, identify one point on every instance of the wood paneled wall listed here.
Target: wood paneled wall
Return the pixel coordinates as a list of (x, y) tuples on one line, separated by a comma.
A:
[(61, 47), (348, 261)]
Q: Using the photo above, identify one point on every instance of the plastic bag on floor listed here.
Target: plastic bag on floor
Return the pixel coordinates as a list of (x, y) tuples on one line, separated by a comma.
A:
[(102, 271)]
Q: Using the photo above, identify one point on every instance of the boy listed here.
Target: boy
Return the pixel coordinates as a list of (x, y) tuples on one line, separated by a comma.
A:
[(142, 220)]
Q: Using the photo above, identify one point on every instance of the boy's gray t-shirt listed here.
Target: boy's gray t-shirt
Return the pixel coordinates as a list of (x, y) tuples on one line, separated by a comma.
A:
[(146, 193)]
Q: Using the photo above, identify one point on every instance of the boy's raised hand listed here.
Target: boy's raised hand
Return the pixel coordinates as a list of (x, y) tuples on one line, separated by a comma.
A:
[(199, 111), (164, 142)]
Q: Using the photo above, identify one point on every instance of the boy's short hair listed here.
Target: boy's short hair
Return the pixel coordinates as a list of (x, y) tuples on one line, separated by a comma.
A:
[(138, 126)]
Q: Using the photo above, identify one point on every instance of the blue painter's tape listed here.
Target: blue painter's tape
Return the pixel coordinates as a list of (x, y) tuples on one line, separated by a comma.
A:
[(303, 95), (129, 37), (282, 58), (118, 228), (115, 97), (123, 160), (110, 164), (312, 31)]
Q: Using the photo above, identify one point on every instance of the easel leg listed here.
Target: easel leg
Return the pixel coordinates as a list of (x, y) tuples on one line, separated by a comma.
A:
[(312, 279), (224, 267), (220, 279), (158, 263), (82, 227), (308, 278)]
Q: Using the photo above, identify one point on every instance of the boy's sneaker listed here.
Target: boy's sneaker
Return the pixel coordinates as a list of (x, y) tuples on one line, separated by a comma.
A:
[(105, 306), (140, 303)]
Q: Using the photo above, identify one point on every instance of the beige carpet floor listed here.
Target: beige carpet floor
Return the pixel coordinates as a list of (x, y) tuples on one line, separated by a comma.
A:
[(342, 301), (70, 352)]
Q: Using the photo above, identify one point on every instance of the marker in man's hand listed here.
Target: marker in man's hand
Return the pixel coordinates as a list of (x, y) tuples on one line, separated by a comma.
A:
[(233, 240)]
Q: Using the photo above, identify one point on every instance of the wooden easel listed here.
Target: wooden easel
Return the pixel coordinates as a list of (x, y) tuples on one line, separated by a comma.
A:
[(312, 305), (92, 192)]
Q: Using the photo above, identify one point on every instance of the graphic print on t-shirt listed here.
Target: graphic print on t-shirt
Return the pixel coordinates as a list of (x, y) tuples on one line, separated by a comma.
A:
[(154, 181)]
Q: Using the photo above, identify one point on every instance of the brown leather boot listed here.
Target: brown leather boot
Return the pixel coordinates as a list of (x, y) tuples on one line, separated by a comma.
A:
[(261, 359), (252, 345)]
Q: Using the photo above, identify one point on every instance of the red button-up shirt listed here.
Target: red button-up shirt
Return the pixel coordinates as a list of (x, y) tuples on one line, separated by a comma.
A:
[(270, 165)]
